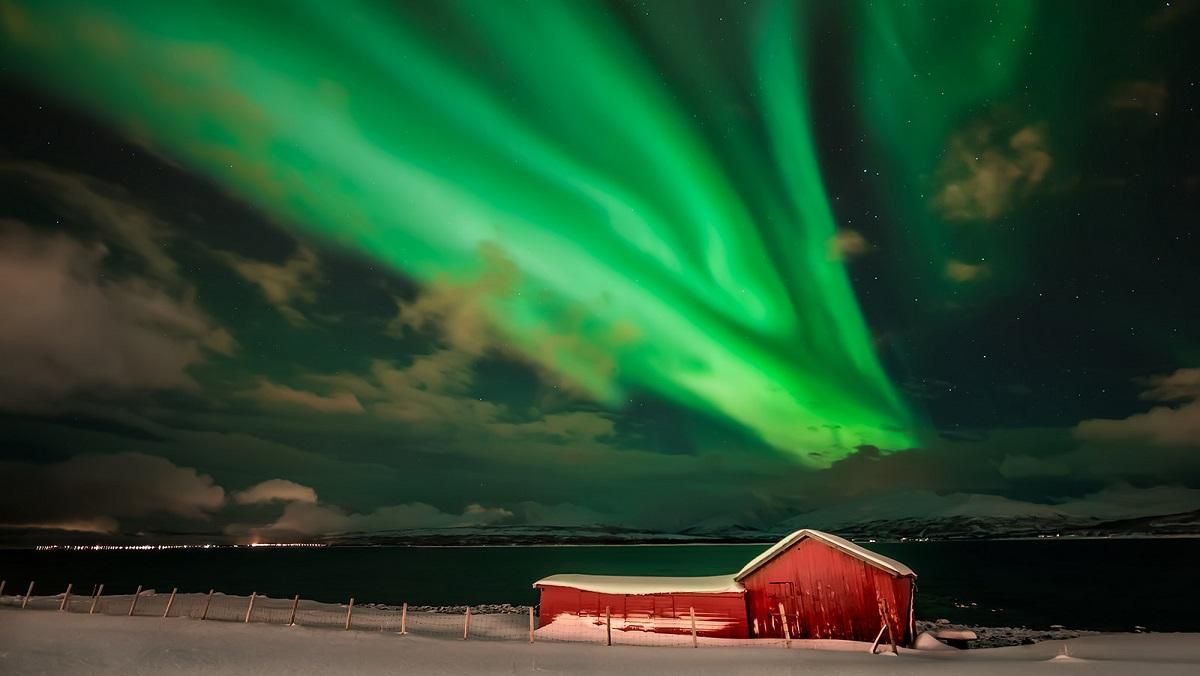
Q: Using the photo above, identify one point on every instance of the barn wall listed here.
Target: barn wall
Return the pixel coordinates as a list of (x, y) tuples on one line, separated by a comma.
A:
[(717, 615), (826, 593)]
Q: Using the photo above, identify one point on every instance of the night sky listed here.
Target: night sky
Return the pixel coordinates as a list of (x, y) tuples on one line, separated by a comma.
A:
[(271, 273)]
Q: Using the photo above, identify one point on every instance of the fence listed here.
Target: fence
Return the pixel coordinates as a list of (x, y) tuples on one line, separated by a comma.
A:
[(487, 623)]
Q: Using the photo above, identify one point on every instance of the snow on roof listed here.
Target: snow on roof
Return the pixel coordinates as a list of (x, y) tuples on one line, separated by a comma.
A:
[(621, 584), (878, 560)]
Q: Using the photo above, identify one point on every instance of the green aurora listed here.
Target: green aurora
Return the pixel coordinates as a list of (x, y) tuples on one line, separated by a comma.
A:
[(642, 216)]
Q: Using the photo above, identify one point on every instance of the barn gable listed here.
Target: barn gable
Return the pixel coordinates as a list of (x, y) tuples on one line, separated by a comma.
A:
[(880, 561)]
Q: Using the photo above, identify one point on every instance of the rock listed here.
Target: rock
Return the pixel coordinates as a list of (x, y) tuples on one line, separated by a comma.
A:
[(943, 621)]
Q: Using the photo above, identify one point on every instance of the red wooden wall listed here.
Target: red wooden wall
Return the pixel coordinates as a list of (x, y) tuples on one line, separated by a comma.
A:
[(826, 594), (717, 615)]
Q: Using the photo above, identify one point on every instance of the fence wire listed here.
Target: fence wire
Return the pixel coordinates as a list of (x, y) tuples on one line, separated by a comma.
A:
[(514, 623)]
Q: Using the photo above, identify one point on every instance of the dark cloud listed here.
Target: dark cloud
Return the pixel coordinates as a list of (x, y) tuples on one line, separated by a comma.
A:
[(285, 284), (271, 394), (68, 327), (101, 492), (1168, 425)]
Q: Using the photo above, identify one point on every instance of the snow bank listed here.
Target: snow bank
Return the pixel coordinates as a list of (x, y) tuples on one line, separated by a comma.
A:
[(66, 643), (995, 637)]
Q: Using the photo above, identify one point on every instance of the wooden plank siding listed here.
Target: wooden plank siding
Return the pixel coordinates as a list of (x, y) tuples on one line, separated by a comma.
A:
[(717, 615), (827, 594)]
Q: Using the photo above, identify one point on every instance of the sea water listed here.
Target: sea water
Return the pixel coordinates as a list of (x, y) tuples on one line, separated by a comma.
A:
[(1108, 585)]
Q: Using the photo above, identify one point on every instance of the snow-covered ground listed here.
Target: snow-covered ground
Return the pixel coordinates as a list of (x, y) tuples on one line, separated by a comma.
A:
[(48, 642)]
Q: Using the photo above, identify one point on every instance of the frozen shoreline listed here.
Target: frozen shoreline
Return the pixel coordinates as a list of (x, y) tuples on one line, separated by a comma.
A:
[(491, 621), (53, 642)]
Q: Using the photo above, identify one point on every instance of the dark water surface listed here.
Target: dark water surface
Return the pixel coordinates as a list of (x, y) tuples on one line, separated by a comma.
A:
[(1082, 584)]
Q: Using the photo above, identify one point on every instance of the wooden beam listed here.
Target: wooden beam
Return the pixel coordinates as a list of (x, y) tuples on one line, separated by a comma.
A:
[(250, 607), (66, 599), (96, 599), (170, 602), (608, 622), (207, 603), (133, 604), (787, 631)]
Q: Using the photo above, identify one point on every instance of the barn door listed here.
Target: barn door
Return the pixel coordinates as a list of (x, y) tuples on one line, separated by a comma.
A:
[(639, 613), (784, 593)]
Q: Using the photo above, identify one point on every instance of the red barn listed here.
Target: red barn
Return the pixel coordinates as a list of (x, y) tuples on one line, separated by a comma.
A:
[(830, 588)]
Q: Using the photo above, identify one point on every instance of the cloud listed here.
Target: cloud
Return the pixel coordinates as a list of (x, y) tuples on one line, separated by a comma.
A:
[(1122, 501), (1182, 385), (1118, 501), (1019, 466), (304, 519), (282, 284), (1161, 425), (1167, 425), (963, 273), (94, 492), (458, 311), (982, 179), (110, 208), (1139, 96), (1170, 13), (271, 393), (102, 525), (559, 514), (68, 327), (275, 490), (848, 243), (434, 393)]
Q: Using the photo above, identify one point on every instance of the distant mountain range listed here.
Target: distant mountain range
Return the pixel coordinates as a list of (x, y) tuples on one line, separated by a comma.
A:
[(901, 516)]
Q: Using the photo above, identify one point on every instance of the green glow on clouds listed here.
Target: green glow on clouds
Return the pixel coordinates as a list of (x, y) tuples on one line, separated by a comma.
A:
[(679, 246)]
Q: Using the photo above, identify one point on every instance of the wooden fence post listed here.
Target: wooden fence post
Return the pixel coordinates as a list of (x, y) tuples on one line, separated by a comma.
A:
[(887, 622), (170, 602), (66, 598), (250, 608), (207, 602), (692, 614), (878, 637), (608, 623), (349, 613), (531, 624), (295, 604), (467, 623), (133, 604), (404, 619), (787, 631), (28, 592), (96, 599)]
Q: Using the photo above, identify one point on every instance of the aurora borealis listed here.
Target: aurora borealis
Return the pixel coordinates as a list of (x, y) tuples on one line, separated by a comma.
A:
[(640, 260), (612, 242)]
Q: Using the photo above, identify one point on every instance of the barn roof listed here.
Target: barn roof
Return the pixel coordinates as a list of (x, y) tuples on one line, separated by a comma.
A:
[(622, 584), (878, 560)]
